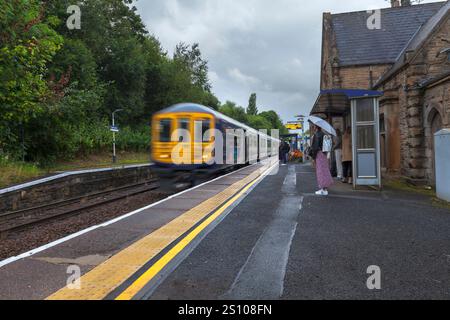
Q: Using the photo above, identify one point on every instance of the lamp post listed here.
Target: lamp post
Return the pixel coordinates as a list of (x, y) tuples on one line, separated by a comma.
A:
[(114, 130)]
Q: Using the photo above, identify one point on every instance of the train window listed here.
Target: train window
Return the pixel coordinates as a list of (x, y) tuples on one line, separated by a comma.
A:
[(205, 128), (205, 125), (183, 124), (165, 130)]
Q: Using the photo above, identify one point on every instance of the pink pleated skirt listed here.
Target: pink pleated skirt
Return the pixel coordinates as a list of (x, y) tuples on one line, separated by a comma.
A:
[(324, 178)]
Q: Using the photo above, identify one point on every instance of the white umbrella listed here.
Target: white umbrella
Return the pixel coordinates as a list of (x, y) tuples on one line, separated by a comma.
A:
[(323, 124)]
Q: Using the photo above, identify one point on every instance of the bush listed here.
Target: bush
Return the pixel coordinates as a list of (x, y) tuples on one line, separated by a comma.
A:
[(134, 140)]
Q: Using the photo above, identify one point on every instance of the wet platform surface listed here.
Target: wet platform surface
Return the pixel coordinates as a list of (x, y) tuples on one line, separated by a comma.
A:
[(253, 236), (44, 273)]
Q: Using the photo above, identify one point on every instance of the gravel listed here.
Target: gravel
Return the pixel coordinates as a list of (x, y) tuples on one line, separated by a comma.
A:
[(15, 243)]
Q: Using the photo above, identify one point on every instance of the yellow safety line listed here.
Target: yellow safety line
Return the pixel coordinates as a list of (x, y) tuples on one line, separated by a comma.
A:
[(105, 278), (140, 283)]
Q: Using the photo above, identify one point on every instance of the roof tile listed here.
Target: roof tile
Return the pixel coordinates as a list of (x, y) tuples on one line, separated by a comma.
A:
[(358, 45)]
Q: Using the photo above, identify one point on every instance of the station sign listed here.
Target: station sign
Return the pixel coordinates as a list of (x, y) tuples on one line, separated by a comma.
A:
[(294, 126), (114, 129)]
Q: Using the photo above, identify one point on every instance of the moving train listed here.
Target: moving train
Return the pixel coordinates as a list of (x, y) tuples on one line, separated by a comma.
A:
[(189, 140)]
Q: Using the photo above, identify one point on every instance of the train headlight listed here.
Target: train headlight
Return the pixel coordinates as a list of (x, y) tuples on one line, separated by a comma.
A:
[(164, 156)]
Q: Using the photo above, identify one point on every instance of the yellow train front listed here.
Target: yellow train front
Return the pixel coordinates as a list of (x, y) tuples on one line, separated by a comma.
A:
[(185, 144)]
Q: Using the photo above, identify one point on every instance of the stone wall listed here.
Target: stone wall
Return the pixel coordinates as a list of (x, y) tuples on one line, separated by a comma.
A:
[(417, 103), (73, 186), (436, 104), (329, 53), (390, 108), (361, 77)]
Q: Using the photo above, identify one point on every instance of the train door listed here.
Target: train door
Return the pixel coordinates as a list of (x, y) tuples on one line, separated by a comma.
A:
[(203, 137), (246, 148), (184, 137), (258, 148)]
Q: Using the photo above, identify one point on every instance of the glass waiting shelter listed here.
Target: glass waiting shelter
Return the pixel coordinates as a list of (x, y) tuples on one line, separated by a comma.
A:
[(359, 110)]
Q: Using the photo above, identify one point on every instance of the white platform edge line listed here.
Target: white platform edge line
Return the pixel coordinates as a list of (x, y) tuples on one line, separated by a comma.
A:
[(67, 174), (108, 223)]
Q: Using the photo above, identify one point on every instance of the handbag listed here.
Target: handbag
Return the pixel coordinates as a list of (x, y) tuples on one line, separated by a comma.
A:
[(327, 144)]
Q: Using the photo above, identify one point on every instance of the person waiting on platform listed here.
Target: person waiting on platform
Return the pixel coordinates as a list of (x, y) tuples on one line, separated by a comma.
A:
[(324, 178), (347, 156), (284, 152), (337, 148)]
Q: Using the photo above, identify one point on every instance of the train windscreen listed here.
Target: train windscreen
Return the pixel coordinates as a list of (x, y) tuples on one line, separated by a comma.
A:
[(165, 127), (183, 124)]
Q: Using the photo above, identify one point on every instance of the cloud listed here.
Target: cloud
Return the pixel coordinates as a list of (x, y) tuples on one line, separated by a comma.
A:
[(241, 78), (269, 47)]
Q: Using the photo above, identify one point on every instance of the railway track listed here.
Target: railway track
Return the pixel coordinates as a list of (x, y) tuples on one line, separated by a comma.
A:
[(26, 218), (13, 221)]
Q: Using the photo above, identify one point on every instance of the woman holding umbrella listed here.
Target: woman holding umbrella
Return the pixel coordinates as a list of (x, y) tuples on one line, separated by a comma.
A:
[(324, 179)]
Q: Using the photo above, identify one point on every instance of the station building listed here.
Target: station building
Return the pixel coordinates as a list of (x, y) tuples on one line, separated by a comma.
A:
[(408, 59)]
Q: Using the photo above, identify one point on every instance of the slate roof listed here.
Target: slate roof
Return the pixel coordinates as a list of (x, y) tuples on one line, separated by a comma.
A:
[(416, 41), (357, 45)]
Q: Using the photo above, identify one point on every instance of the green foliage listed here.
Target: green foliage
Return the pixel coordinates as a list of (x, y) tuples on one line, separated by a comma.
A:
[(28, 44), (252, 110), (258, 122), (191, 60), (266, 120), (233, 111), (75, 58), (58, 87), (137, 139), (275, 121)]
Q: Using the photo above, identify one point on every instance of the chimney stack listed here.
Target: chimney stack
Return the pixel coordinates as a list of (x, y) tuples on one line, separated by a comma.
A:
[(395, 3)]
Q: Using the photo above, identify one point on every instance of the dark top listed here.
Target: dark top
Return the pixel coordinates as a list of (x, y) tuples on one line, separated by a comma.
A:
[(317, 144), (337, 143), (285, 147)]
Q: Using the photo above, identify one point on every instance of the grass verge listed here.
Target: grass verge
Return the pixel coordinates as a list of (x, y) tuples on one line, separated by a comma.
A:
[(398, 184), (12, 173)]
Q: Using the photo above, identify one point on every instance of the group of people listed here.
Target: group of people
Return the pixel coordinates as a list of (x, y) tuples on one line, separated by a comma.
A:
[(283, 152), (321, 151), (343, 155)]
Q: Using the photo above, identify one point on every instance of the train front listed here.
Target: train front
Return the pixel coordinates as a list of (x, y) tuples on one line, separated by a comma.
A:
[(181, 143)]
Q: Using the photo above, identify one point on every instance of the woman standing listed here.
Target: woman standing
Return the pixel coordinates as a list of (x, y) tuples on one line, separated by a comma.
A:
[(324, 179), (347, 156), (337, 147)]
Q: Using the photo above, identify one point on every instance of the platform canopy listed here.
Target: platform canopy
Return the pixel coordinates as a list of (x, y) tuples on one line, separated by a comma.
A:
[(337, 101)]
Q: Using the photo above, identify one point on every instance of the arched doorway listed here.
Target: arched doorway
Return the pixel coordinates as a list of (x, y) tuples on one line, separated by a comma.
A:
[(435, 125)]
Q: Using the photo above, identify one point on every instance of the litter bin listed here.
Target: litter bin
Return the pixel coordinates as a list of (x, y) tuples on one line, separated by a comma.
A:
[(442, 156)]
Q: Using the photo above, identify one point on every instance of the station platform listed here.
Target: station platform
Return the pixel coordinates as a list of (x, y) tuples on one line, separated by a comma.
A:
[(110, 254), (258, 233)]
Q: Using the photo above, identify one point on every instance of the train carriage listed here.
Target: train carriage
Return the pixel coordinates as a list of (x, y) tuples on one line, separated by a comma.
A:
[(197, 130)]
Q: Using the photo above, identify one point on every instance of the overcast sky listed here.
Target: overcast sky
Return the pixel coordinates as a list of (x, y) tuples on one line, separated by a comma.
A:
[(269, 47)]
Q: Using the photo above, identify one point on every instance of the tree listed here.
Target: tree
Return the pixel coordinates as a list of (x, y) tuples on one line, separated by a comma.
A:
[(28, 42), (234, 111), (252, 109), (191, 58), (59, 86), (259, 123), (275, 121)]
